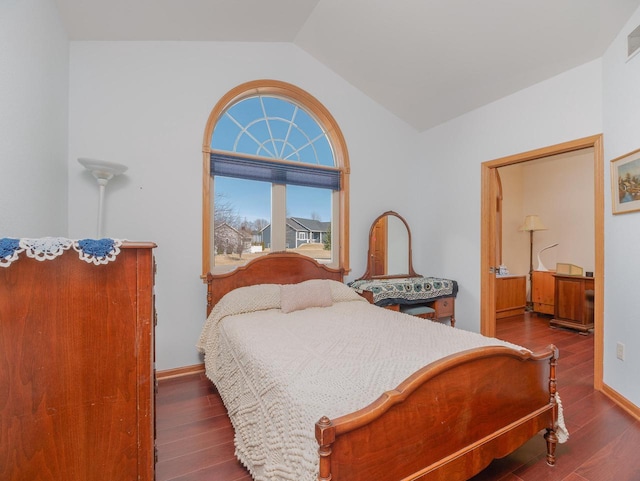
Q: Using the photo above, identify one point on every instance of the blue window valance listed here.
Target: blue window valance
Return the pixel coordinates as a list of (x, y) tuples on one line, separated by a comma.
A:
[(275, 172)]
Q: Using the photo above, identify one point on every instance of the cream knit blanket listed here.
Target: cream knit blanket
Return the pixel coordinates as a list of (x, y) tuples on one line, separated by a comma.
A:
[(278, 374)]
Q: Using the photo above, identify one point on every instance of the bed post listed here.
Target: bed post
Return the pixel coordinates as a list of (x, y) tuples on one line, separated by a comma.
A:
[(551, 436), (209, 293), (325, 435)]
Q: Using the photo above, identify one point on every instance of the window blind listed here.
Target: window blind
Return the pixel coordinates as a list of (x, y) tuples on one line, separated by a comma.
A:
[(274, 172)]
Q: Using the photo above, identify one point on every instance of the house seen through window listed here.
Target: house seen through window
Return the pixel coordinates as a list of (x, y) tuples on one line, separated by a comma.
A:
[(276, 178)]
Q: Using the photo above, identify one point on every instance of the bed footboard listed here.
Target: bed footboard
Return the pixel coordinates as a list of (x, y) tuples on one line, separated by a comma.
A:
[(447, 421)]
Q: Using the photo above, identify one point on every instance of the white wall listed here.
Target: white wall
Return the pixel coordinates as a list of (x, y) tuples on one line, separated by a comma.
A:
[(145, 104), (621, 114), (560, 109), (560, 190), (34, 69)]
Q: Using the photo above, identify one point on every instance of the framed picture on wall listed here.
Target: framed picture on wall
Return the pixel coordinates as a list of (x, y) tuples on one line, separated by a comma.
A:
[(625, 183)]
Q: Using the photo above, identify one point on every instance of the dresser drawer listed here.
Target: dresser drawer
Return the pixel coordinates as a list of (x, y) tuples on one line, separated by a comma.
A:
[(444, 307)]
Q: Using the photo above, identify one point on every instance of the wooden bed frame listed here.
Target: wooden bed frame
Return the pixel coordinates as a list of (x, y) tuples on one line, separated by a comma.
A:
[(445, 422)]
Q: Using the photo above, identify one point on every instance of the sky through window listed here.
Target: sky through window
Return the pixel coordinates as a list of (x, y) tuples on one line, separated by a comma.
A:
[(272, 128)]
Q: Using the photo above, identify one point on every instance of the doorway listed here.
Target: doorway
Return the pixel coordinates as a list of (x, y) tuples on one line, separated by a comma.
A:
[(489, 194)]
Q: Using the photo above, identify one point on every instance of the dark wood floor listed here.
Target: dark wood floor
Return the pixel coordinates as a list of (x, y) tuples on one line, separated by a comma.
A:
[(195, 437)]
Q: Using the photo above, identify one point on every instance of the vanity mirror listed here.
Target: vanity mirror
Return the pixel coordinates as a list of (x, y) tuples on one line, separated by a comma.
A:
[(390, 280), (389, 248)]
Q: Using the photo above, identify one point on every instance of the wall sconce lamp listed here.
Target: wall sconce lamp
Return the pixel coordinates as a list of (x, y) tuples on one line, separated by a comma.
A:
[(541, 266), (103, 171)]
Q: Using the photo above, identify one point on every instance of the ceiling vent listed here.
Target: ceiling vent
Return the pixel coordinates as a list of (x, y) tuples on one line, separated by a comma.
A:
[(633, 42)]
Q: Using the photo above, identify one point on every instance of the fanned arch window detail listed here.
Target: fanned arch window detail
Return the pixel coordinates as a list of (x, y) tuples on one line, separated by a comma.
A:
[(276, 178), (275, 128)]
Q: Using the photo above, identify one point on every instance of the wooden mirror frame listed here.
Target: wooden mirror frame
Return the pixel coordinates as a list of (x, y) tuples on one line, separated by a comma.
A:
[(370, 266)]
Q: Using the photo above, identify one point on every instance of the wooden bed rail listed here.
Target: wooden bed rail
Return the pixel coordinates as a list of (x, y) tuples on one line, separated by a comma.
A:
[(447, 421)]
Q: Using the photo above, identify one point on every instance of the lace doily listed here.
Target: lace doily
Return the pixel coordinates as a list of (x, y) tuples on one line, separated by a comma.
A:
[(95, 251), (45, 248)]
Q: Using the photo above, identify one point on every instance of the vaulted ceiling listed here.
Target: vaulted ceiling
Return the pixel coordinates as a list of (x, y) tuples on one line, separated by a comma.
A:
[(427, 61)]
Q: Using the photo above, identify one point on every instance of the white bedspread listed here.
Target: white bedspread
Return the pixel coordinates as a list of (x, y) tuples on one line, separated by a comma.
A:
[(278, 374)]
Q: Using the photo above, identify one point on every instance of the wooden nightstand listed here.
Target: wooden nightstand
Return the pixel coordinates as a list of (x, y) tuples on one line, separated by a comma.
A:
[(511, 296), (574, 302), (543, 296)]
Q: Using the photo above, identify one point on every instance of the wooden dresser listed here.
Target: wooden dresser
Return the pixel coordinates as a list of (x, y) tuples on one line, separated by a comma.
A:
[(543, 292), (511, 296), (77, 368)]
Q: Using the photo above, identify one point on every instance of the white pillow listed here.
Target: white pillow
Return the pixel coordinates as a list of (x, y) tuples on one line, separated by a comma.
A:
[(341, 292), (312, 293)]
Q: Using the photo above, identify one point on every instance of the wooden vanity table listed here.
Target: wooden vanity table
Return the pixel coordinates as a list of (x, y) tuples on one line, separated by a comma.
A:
[(441, 309), (390, 280)]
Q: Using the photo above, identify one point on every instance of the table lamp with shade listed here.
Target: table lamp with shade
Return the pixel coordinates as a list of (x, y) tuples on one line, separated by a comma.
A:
[(103, 171)]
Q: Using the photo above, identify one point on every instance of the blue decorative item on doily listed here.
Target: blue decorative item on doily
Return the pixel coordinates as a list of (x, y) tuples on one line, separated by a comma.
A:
[(9, 250), (96, 247), (98, 251)]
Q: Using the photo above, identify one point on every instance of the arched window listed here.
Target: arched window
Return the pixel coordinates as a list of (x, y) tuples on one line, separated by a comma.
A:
[(275, 178)]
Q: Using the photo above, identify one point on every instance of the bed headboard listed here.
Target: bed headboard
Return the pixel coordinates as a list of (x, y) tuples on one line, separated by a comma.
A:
[(274, 268)]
